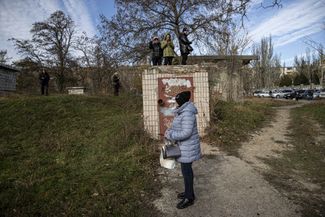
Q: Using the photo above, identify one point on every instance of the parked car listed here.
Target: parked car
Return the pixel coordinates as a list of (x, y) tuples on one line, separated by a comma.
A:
[(256, 93), (319, 94), (316, 94), (291, 95), (296, 94), (281, 93), (308, 94), (322, 94), (264, 94)]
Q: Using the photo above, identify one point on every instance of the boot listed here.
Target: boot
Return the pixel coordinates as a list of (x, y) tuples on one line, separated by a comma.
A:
[(185, 203)]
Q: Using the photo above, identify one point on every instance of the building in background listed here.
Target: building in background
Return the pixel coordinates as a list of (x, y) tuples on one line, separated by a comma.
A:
[(7, 79), (288, 71)]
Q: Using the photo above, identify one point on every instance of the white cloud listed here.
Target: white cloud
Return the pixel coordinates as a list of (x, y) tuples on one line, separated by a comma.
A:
[(80, 14), (256, 3), (17, 17), (293, 36), (292, 22)]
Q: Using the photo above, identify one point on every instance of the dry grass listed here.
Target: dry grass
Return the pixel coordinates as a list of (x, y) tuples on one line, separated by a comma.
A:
[(300, 171), (75, 156), (232, 123)]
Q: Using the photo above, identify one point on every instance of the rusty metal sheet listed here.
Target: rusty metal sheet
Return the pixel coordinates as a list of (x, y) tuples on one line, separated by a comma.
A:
[(168, 88)]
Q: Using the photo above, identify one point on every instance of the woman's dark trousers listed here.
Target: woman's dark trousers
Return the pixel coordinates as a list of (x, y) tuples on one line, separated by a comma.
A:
[(188, 180), (168, 60), (45, 89), (116, 90)]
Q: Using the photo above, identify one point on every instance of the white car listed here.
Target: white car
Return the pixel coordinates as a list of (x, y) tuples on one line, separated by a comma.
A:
[(319, 94), (316, 94), (264, 94), (322, 94), (257, 93), (281, 93)]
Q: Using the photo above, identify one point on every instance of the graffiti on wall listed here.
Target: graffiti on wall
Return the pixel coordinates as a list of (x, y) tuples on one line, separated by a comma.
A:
[(168, 89)]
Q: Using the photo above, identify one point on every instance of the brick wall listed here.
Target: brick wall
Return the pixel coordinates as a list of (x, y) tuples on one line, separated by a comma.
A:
[(150, 94)]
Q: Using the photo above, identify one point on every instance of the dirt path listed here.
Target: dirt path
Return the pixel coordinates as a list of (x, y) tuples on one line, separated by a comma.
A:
[(228, 186), (270, 141)]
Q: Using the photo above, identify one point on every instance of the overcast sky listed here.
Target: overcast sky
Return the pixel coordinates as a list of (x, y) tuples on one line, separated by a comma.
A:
[(289, 25)]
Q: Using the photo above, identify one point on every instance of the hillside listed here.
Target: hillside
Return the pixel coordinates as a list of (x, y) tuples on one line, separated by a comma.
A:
[(75, 156)]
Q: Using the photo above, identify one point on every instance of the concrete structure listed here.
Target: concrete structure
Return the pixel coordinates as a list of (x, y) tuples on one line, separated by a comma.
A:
[(242, 59), (76, 90), (7, 78), (216, 77), (161, 85)]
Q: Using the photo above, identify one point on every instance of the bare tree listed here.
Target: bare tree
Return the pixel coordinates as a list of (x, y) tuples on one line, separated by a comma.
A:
[(50, 44), (135, 21), (96, 62), (308, 66), (302, 73), (4, 57), (308, 70), (267, 67), (85, 45), (233, 40), (319, 48), (28, 49)]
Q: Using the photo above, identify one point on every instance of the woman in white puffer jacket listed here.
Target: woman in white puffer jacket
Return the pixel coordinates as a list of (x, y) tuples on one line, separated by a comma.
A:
[(184, 132)]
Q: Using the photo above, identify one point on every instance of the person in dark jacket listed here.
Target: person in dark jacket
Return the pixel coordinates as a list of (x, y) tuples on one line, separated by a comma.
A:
[(157, 52), (296, 95), (44, 79), (184, 131), (116, 83), (185, 45)]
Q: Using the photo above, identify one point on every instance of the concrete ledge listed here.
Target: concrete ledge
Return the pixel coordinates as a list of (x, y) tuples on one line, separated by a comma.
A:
[(76, 90)]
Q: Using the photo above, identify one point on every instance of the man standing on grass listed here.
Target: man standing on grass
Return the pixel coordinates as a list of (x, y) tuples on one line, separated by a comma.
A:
[(44, 79), (116, 83)]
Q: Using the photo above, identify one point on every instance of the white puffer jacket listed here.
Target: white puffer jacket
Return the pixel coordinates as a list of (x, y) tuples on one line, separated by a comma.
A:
[(184, 131)]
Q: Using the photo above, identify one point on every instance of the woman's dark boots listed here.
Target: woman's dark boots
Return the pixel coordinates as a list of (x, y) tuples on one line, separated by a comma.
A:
[(182, 195), (184, 202)]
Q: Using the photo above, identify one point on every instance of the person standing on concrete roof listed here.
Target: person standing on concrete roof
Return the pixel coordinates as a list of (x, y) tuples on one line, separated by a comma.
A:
[(168, 49), (157, 52), (185, 45)]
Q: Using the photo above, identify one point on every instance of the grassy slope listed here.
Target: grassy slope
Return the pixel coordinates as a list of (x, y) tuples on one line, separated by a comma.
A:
[(305, 161), (232, 123), (309, 153), (74, 156), (89, 156)]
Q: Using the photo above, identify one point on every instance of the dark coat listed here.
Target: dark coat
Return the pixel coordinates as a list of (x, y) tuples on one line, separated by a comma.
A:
[(156, 49), (44, 78), (116, 81), (184, 44)]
